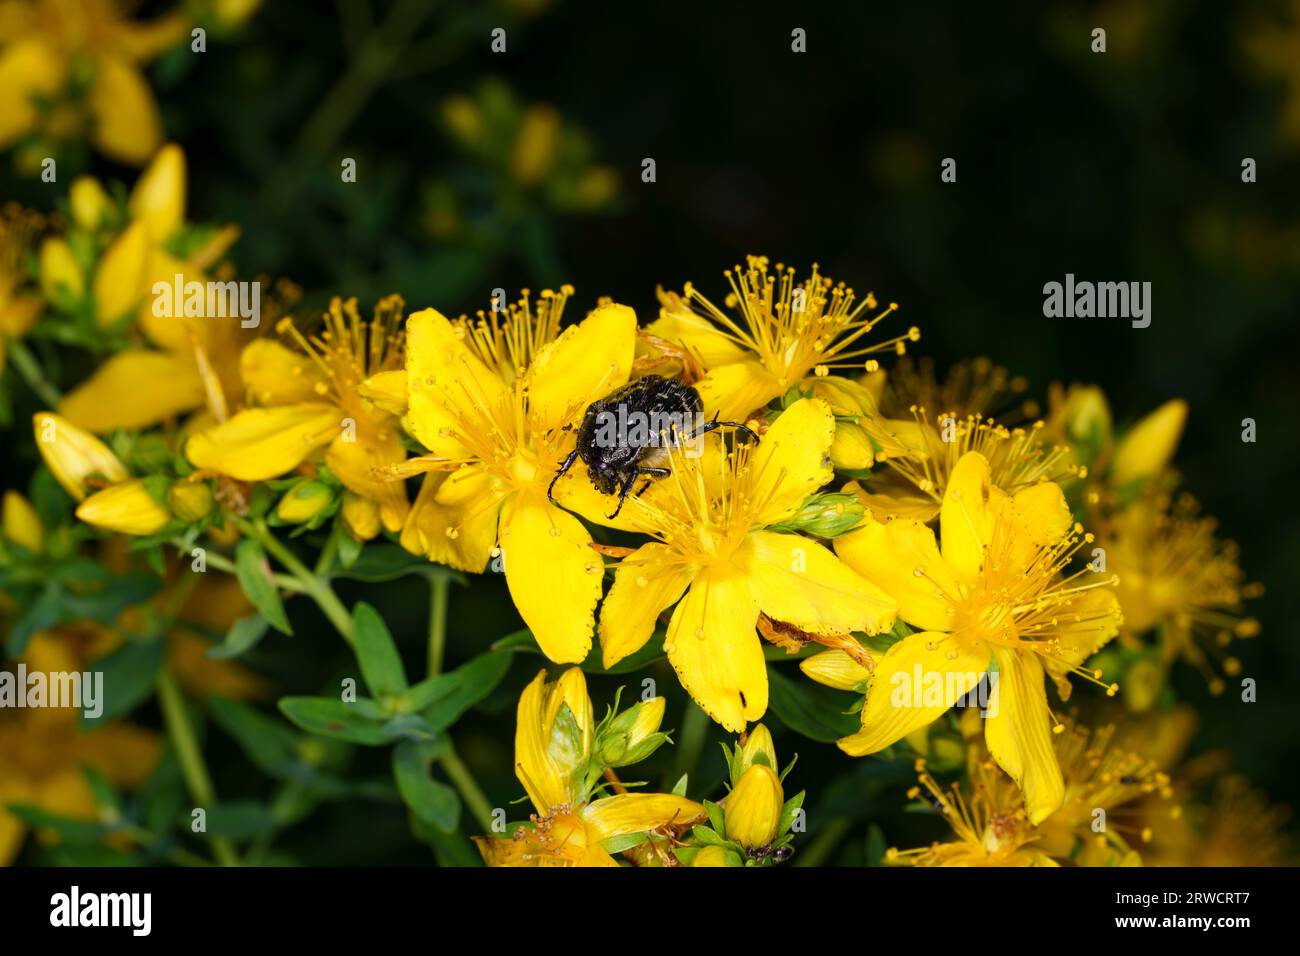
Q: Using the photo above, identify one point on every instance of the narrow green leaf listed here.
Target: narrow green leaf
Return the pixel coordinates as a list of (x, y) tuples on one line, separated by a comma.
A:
[(243, 636), (812, 710), (381, 665), (254, 574), (431, 800), (333, 718)]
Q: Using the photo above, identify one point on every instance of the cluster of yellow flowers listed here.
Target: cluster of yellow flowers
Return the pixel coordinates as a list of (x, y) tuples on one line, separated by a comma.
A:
[(877, 524)]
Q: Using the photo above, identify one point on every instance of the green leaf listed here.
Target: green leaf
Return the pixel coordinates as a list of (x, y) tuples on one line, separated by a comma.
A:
[(75, 831), (243, 636), (254, 574), (626, 841), (810, 709), (470, 683), (129, 674), (876, 847), (381, 665), (329, 717), (717, 820), (430, 800)]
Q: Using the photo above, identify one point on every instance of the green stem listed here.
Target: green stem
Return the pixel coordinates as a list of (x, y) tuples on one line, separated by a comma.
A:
[(826, 842), (695, 729), (193, 769), (30, 370), (474, 797), (316, 587), (439, 588), (177, 855)]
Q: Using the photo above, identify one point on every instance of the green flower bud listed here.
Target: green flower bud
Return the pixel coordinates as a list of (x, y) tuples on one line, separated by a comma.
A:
[(304, 501), (825, 516)]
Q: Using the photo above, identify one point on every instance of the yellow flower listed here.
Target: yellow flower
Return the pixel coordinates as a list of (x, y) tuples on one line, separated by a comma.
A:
[(315, 400), (752, 810), (989, 822), (1178, 578), (126, 507), (994, 598), (43, 752), (914, 484), (708, 519), (553, 750), (22, 525), (1097, 824), (785, 332), (495, 402), (49, 49), (75, 456), (195, 361)]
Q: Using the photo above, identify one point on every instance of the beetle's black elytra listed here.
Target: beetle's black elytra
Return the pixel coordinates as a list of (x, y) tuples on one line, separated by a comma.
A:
[(627, 435)]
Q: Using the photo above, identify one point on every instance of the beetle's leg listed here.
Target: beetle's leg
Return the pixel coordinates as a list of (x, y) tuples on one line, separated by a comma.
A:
[(627, 485), (564, 467), (740, 426)]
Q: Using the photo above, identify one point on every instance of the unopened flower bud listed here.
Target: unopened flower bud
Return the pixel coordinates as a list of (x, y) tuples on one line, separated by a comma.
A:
[(360, 516), (753, 808), (825, 516), (304, 501), (74, 455), (190, 500), (126, 507)]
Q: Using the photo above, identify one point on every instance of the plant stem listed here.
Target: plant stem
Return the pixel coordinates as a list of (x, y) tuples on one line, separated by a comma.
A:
[(439, 588), (316, 587), (474, 797), (30, 370), (282, 581), (193, 769), (695, 728)]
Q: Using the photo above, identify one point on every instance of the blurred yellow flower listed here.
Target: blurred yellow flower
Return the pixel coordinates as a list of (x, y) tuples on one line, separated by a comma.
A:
[(71, 69)]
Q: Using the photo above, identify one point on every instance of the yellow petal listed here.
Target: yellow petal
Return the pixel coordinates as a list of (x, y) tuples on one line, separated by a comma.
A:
[(587, 362), (835, 669), (647, 581), (22, 525), (1148, 446), (626, 813), (534, 767), (796, 580), (73, 454), (163, 317), (126, 508), (460, 536), (12, 830), (276, 375), (888, 555), (678, 324), (714, 647), (263, 443), (915, 683), (158, 199), (356, 462), (447, 385), (119, 284), (29, 69), (127, 756), (127, 126), (61, 278), (387, 390), (360, 516), (1041, 513), (134, 389), (792, 460), (1019, 735), (553, 575), (737, 390), (885, 505), (969, 511)]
